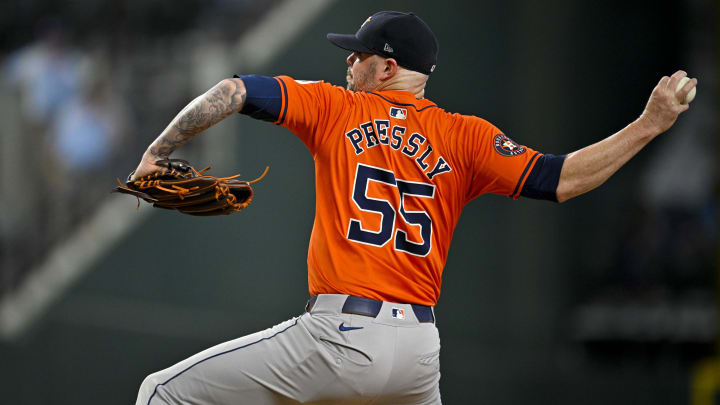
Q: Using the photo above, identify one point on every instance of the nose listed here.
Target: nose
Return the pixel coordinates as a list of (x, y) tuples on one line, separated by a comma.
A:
[(351, 59)]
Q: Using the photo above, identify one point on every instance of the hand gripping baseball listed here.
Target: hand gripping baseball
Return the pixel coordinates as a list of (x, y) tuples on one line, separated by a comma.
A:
[(665, 103), (178, 186)]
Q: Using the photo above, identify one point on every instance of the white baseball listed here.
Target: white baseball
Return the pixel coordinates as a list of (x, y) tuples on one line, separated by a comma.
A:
[(691, 95)]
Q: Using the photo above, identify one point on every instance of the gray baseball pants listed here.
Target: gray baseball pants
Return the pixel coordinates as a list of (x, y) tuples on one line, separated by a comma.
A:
[(324, 356)]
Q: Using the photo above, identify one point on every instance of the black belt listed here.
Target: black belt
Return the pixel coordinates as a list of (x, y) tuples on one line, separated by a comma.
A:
[(370, 307)]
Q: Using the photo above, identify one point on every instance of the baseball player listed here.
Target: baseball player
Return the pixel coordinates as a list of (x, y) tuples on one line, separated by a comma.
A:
[(393, 172)]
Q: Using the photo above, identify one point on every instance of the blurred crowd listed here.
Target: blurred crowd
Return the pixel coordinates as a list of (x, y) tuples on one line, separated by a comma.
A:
[(81, 90), (659, 288)]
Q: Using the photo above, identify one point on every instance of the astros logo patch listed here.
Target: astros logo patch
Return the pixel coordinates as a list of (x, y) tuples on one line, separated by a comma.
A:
[(506, 146)]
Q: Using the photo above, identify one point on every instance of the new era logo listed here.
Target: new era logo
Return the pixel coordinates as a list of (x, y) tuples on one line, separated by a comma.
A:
[(398, 313), (398, 113)]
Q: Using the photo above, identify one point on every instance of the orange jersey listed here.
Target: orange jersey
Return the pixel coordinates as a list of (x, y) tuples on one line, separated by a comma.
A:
[(392, 175)]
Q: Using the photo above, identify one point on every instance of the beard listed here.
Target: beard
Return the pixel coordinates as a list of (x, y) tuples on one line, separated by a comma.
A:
[(363, 79)]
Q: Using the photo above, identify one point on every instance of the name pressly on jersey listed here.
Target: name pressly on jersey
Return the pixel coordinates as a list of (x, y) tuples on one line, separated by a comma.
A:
[(382, 134)]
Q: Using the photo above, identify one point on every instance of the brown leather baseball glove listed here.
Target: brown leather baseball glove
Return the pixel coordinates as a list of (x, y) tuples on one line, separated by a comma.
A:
[(180, 187)]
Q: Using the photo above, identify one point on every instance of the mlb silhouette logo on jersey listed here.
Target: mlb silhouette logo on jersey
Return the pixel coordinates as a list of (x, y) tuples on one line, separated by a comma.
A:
[(398, 313), (398, 113)]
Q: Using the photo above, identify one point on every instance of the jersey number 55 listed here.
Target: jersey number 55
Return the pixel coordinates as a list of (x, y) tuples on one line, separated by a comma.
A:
[(356, 233)]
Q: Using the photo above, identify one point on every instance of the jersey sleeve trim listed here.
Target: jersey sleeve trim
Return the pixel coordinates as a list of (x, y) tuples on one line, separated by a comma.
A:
[(263, 97), (543, 180), (523, 177), (284, 106), (405, 105)]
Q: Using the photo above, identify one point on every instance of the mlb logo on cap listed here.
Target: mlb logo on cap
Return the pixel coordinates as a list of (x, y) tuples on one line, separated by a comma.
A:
[(398, 313), (398, 113)]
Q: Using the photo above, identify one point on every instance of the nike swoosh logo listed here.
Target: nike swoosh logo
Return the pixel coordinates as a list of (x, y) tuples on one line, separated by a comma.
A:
[(344, 328)]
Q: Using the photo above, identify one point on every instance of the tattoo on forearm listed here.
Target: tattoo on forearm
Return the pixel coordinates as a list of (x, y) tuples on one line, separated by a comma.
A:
[(203, 112), (164, 145)]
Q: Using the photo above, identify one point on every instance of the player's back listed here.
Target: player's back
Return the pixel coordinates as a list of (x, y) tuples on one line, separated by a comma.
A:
[(392, 175)]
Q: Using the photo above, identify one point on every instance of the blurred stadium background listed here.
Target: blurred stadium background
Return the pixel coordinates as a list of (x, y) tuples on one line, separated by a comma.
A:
[(608, 299)]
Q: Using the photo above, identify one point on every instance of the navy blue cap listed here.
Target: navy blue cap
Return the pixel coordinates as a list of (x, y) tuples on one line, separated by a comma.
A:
[(394, 34)]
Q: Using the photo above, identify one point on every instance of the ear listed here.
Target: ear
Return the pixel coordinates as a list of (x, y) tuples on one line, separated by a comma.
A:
[(389, 69)]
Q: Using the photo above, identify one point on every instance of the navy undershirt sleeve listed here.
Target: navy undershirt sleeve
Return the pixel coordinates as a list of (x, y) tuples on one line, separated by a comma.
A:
[(543, 180), (264, 98)]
